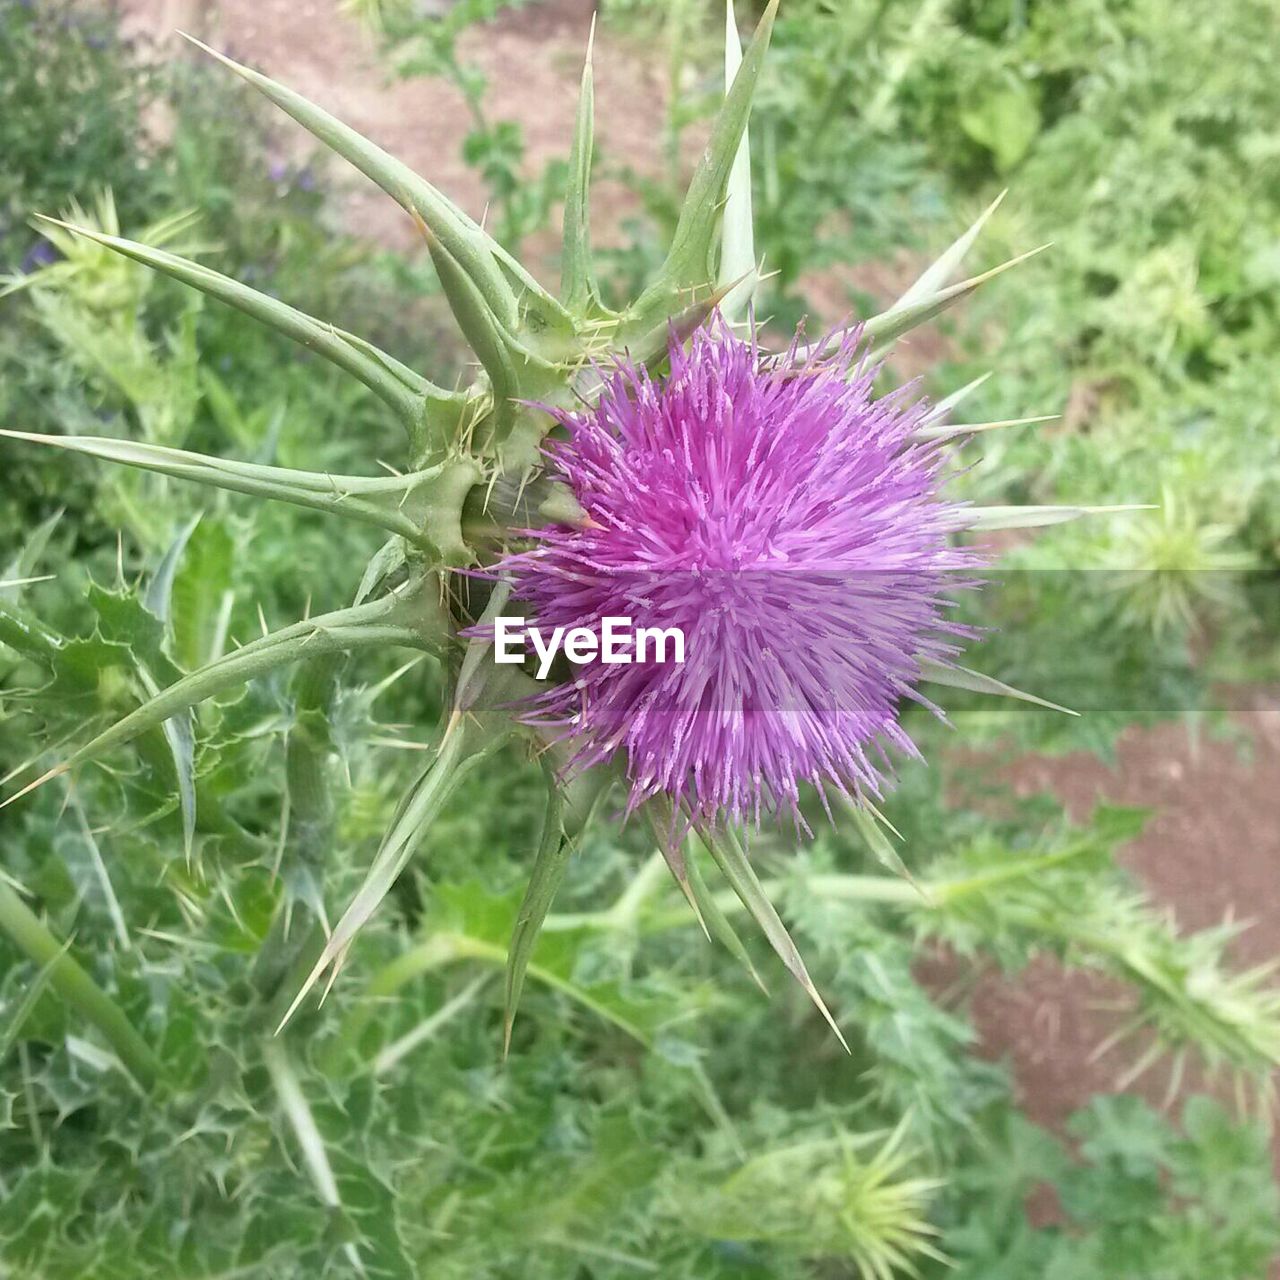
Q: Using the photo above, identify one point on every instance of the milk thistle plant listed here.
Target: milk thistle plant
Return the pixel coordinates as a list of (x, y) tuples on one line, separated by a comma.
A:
[(655, 462)]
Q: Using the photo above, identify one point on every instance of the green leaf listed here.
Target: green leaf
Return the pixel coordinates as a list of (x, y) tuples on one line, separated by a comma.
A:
[(549, 866), (1005, 119), (975, 682), (717, 922), (15, 1021), (383, 501), (297, 1111), (202, 595), (395, 1053), (729, 856), (469, 923), (1033, 517), (688, 262), (75, 986), (411, 617), (737, 238), (577, 280), (466, 242), (19, 571), (936, 276), (26, 634), (460, 751), (885, 328), (409, 394)]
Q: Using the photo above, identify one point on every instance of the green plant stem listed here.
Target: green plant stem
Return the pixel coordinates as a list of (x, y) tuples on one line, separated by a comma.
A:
[(77, 988), (889, 890), (449, 948)]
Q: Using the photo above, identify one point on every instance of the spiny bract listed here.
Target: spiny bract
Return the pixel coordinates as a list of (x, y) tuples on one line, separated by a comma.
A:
[(797, 460)]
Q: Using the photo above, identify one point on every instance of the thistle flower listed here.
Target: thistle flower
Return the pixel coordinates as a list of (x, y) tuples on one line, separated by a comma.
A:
[(790, 524), (774, 506)]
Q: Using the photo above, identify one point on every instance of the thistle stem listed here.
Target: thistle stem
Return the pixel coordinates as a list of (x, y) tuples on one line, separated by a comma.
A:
[(77, 988)]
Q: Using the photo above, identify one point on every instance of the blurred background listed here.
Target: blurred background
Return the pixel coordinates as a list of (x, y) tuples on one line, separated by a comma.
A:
[(1064, 1068)]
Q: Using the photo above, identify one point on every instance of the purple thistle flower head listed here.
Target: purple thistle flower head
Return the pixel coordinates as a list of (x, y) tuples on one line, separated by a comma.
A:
[(783, 518)]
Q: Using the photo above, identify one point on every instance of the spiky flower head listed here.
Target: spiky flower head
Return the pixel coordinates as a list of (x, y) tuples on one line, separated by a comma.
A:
[(785, 518), (790, 525)]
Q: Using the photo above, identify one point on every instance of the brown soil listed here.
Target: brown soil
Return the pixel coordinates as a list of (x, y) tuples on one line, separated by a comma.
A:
[(532, 58), (1212, 848), (1210, 852)]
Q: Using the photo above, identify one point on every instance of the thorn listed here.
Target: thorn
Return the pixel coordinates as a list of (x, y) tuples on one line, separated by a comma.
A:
[(951, 430), (321, 965), (333, 974), (56, 772), (454, 717)]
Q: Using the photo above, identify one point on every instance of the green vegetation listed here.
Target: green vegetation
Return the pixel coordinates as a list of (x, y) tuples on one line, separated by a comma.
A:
[(656, 1114)]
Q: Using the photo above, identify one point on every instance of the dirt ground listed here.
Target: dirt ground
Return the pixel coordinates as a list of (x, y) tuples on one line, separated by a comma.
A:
[(1213, 846), (1210, 852), (532, 58)]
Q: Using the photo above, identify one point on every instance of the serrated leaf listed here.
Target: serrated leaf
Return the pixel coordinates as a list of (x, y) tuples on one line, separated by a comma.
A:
[(202, 594), (396, 619)]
